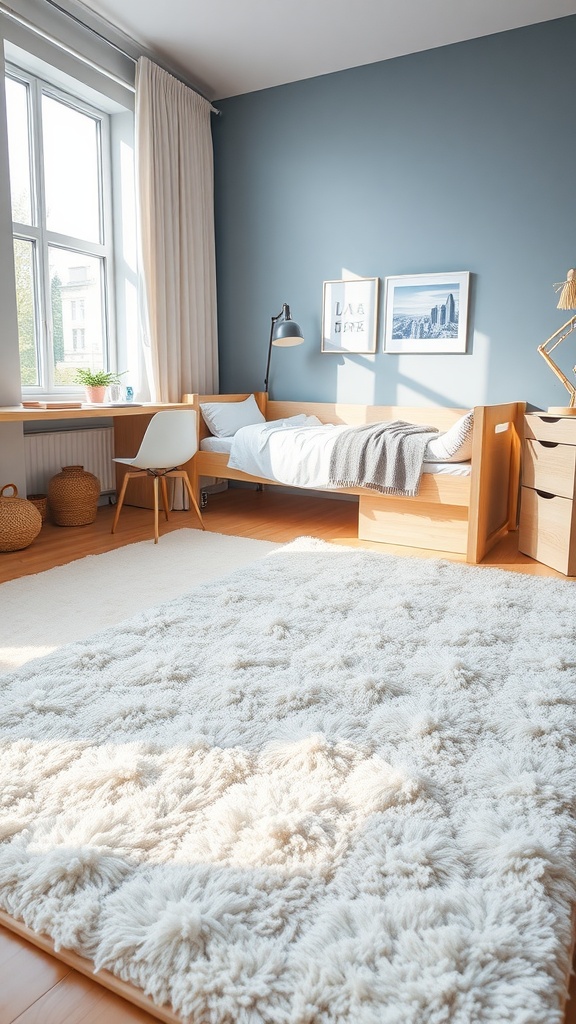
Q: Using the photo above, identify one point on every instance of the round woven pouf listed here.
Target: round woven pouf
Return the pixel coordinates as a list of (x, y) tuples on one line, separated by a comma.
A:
[(73, 496), (20, 520)]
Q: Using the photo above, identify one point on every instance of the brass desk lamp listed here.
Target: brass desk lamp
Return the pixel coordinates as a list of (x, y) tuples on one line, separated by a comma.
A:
[(567, 301)]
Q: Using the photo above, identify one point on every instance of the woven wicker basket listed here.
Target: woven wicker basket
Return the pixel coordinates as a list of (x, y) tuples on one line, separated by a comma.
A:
[(41, 503), (73, 497), (20, 521)]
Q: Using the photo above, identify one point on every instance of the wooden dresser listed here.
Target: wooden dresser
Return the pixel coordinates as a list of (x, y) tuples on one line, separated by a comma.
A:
[(547, 505)]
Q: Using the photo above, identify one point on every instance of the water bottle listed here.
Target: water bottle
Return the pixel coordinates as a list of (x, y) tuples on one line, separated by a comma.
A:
[(129, 394)]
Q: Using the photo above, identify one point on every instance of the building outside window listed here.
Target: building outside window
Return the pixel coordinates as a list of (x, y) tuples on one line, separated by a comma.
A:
[(78, 343), (59, 152), (78, 310)]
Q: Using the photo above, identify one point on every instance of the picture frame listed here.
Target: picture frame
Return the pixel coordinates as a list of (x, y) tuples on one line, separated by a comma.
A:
[(350, 315), (426, 313)]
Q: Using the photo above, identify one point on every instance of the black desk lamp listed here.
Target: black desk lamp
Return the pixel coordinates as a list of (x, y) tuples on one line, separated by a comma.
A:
[(284, 331)]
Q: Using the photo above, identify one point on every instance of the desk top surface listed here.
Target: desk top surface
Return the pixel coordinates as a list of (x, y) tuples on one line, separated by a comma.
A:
[(15, 413)]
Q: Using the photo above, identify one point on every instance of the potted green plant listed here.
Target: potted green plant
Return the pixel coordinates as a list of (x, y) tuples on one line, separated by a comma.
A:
[(95, 382)]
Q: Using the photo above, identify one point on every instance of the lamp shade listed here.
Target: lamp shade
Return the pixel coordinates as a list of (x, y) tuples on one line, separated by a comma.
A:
[(567, 298), (286, 332)]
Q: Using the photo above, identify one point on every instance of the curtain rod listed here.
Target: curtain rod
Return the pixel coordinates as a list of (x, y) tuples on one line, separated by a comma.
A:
[(86, 60)]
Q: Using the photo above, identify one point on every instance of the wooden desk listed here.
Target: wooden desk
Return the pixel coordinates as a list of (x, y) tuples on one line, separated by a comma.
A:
[(129, 422), (16, 414)]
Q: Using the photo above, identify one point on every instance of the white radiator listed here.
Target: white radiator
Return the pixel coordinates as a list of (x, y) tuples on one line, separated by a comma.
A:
[(46, 454)]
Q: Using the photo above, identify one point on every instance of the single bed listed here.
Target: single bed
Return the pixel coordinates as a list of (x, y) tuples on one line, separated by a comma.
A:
[(456, 510)]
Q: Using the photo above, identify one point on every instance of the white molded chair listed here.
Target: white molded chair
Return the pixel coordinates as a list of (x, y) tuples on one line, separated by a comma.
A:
[(171, 439)]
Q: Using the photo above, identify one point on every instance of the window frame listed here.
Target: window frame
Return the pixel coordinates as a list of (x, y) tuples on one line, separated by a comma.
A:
[(42, 238)]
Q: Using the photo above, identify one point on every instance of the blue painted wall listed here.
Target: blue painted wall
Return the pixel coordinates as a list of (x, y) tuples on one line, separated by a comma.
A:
[(458, 158)]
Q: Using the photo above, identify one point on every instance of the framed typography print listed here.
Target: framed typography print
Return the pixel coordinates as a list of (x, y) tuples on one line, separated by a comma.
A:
[(349, 315)]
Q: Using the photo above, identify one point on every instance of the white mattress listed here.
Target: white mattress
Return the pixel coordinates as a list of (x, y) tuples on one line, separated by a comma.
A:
[(223, 445)]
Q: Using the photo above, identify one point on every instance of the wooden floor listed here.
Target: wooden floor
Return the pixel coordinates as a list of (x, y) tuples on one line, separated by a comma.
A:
[(264, 515), (36, 988)]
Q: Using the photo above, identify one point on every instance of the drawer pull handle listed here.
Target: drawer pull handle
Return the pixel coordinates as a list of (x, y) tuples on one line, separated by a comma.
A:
[(544, 494), (549, 444), (550, 419)]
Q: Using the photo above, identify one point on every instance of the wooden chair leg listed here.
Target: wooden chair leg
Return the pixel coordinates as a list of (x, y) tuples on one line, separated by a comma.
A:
[(193, 476), (164, 496), (192, 496), (127, 477), (156, 510)]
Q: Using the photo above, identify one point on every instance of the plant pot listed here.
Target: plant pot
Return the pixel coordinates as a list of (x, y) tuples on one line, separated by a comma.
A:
[(95, 395)]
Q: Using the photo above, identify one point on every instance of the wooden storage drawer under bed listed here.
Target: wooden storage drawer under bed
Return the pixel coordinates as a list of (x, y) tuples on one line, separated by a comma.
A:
[(395, 520)]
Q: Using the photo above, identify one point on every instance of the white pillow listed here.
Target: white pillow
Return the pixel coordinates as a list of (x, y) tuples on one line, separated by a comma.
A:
[(223, 419), (299, 420), (455, 445)]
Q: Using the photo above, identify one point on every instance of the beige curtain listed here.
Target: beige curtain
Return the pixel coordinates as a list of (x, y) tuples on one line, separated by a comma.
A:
[(175, 179)]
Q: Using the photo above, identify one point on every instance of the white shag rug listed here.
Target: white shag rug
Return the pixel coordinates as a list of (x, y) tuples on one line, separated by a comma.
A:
[(335, 787), (42, 612)]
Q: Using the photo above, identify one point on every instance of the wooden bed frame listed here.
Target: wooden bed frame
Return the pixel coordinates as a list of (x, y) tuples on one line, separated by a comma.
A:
[(466, 515)]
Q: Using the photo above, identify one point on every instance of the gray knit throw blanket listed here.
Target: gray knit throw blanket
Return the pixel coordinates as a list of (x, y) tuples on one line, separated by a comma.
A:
[(385, 457)]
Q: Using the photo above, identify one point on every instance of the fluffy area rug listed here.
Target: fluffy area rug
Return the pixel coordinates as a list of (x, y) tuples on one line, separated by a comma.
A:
[(42, 612), (334, 787)]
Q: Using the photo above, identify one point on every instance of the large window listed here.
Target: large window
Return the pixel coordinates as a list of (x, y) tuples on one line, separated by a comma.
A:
[(59, 152)]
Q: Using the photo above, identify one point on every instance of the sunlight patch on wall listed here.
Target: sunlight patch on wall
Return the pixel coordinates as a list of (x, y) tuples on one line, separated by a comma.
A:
[(356, 373), (356, 376), (456, 381)]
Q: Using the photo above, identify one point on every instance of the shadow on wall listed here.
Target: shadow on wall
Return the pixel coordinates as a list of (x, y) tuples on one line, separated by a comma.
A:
[(404, 379), (381, 378)]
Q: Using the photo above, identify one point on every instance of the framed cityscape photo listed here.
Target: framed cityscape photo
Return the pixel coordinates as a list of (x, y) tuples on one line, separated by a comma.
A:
[(426, 313), (349, 315)]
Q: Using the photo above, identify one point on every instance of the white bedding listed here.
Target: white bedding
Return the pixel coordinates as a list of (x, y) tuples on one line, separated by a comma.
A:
[(295, 452)]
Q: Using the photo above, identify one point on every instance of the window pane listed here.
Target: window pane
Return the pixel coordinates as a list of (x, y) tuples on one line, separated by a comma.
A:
[(71, 143), (77, 314), (19, 150), (26, 304)]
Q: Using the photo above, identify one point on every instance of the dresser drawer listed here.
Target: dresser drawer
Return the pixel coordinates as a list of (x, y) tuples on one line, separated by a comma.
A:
[(550, 466), (542, 427), (547, 529)]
